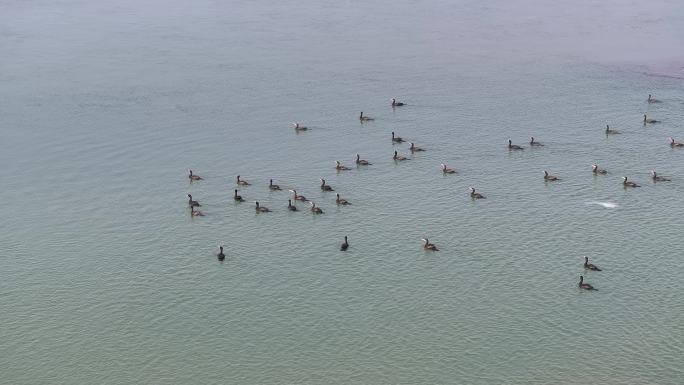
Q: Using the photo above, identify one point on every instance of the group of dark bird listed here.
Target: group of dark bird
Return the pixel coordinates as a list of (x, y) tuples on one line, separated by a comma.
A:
[(427, 245), (625, 182)]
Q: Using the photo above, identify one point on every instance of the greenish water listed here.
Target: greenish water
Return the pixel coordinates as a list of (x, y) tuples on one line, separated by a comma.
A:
[(106, 278)]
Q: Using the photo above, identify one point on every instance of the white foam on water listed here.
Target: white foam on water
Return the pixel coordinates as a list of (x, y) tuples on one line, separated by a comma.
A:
[(608, 205)]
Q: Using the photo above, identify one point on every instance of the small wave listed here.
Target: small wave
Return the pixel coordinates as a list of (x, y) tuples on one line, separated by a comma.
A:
[(608, 205)]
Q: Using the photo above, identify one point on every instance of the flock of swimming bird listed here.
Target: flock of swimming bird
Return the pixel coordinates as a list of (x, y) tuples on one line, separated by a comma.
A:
[(427, 245)]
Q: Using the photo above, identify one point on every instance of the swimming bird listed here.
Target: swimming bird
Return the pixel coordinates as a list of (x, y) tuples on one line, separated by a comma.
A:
[(220, 254), (273, 187), (300, 127), (396, 139), (261, 209), (512, 146), (652, 99), (674, 144), (364, 118), (325, 187), (195, 213), (340, 167), (290, 206), (533, 143), (345, 245), (242, 182), (596, 170), (297, 197), (237, 198), (550, 178), (627, 183), (192, 203), (314, 209), (658, 178), (447, 170), (362, 162), (341, 201), (610, 131), (395, 103), (429, 246), (413, 147), (650, 121), (476, 195), (590, 266), (585, 286), (398, 157), (194, 177)]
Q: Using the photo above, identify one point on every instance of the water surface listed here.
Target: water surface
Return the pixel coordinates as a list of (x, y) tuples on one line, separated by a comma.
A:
[(107, 279)]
